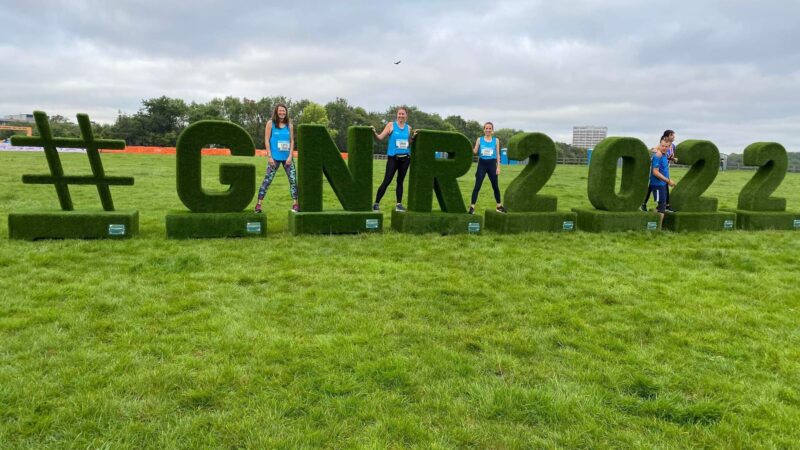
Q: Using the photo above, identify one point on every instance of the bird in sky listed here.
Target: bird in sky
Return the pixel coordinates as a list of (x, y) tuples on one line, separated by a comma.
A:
[(398, 62)]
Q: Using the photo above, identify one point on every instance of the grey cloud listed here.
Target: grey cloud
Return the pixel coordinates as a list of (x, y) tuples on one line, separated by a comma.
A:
[(723, 70)]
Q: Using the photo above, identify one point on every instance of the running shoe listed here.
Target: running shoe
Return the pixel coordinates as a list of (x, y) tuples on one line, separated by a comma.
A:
[(400, 208), (376, 206), (296, 208), (643, 207), (258, 209), (472, 210), (669, 210), (501, 209)]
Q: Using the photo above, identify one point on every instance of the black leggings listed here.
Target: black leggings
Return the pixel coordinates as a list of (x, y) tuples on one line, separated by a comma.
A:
[(486, 167), (394, 164)]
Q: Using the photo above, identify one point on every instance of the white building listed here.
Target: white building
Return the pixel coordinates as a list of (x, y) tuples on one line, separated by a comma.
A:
[(588, 136)]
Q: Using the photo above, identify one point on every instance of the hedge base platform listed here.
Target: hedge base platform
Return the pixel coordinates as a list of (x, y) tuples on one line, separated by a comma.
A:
[(191, 225), (436, 222), (767, 220), (530, 221), (73, 225), (699, 221), (596, 221), (335, 222)]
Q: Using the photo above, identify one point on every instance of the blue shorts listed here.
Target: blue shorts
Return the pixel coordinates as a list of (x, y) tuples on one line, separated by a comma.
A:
[(660, 196)]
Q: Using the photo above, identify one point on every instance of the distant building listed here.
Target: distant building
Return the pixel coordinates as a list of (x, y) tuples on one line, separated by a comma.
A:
[(588, 137), (18, 118)]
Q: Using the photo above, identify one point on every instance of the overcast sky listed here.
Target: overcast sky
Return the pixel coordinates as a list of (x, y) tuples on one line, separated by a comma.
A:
[(723, 70)]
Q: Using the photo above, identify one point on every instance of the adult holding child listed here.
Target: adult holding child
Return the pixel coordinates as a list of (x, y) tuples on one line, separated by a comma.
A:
[(279, 141), (398, 156), (659, 177), (669, 137), (487, 148)]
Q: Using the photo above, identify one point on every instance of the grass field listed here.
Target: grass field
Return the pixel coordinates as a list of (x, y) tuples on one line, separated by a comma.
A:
[(525, 341)]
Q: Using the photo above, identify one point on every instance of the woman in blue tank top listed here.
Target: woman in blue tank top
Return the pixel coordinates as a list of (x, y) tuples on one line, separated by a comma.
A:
[(487, 148), (279, 141), (398, 156)]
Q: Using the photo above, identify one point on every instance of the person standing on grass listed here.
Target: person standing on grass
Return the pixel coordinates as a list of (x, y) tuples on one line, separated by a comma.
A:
[(659, 178), (398, 156), (669, 137), (487, 148), (279, 140)]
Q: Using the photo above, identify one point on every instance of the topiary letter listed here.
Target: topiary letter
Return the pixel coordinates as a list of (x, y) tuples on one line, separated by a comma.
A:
[(240, 177), (772, 161), (351, 181), (603, 174), (521, 195), (440, 174)]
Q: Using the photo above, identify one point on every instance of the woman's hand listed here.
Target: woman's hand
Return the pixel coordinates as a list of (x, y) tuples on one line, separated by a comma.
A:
[(497, 172), (271, 161)]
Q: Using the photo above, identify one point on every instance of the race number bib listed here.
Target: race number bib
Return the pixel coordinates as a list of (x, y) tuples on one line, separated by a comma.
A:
[(486, 151), (283, 146), (402, 144)]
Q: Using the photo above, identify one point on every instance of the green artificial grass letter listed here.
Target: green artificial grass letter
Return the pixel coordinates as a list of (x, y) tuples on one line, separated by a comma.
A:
[(522, 194), (772, 162), (703, 157), (440, 174), (603, 174), (318, 155), (240, 177)]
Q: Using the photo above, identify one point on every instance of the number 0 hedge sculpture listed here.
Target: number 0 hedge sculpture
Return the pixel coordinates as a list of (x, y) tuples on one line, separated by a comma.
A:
[(351, 183), (215, 214), (618, 211), (527, 209), (430, 176)]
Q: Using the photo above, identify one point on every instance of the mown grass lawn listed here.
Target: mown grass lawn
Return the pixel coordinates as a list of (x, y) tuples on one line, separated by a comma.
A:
[(492, 341)]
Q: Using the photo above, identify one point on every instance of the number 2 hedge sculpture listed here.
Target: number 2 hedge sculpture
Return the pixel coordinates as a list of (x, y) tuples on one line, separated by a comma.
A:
[(757, 210), (527, 209), (693, 212)]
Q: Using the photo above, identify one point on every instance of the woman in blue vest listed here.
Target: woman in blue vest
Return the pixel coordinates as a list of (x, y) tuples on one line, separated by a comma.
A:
[(398, 156), (487, 148), (279, 140)]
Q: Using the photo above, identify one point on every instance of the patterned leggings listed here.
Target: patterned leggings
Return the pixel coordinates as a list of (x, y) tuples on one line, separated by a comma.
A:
[(289, 169)]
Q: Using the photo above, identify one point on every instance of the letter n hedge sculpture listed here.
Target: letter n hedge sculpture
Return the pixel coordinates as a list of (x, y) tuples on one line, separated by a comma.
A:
[(618, 211), (215, 214), (69, 224), (351, 183), (430, 176), (692, 211), (757, 209), (528, 210)]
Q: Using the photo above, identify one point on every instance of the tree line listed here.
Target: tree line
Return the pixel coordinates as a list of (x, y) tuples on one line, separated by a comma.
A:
[(160, 121)]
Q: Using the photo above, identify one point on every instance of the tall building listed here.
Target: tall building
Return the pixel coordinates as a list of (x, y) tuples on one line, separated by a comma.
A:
[(588, 137)]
